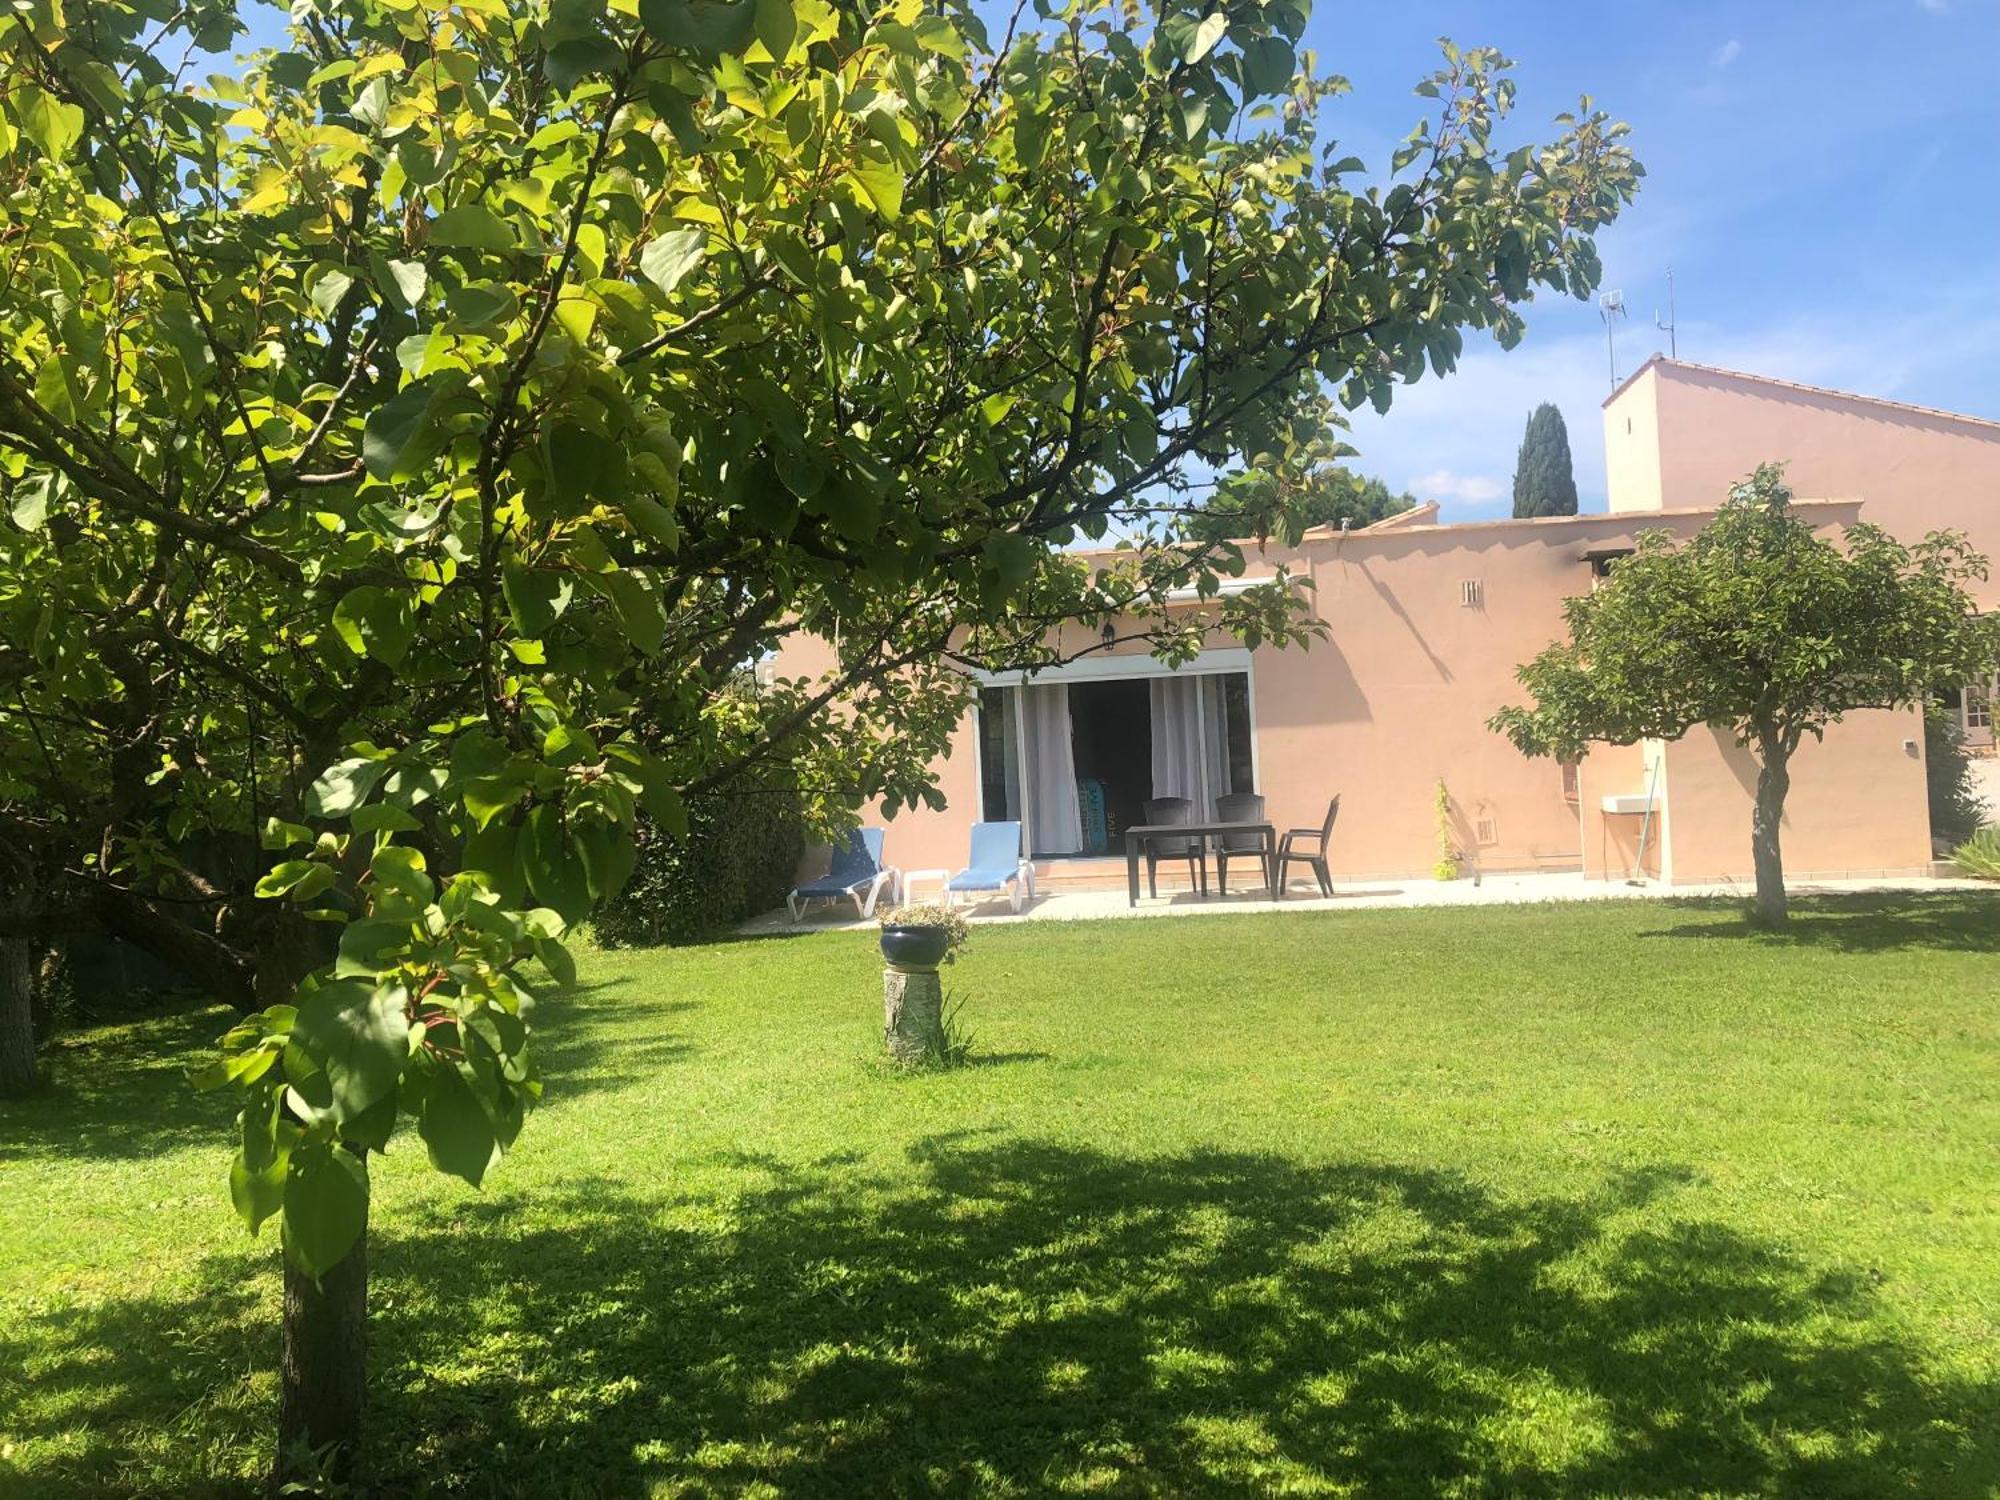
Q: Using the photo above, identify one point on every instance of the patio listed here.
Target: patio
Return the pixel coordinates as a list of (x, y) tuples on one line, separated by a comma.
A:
[(1075, 902)]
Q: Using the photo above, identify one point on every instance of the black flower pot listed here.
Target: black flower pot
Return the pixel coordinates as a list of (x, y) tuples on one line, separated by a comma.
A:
[(919, 949)]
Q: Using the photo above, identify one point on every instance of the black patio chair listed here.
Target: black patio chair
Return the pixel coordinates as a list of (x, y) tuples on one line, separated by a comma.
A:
[(1166, 846), (1239, 807), (1307, 846)]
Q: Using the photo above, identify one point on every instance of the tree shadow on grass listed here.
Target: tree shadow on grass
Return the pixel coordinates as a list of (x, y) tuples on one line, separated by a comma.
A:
[(119, 1093), (1023, 1317), (1859, 922), (123, 1092)]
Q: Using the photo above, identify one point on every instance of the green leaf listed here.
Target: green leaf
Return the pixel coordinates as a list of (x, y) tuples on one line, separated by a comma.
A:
[(343, 786), (855, 513), (393, 431), (494, 850), (360, 1034), (377, 622), (263, 1158), (536, 597), (881, 182), (635, 598), (608, 859), (555, 958), (30, 508), (584, 469), (371, 946), (486, 797), (482, 305), (1213, 27), (571, 61), (258, 1192), (51, 125), (556, 875), (330, 290), (404, 280), (775, 26), (326, 1206), (287, 877), (400, 868), (383, 817), (668, 259), (1267, 65), (456, 1128), (371, 105), (278, 834), (663, 798), (707, 28), (654, 519), (471, 226)]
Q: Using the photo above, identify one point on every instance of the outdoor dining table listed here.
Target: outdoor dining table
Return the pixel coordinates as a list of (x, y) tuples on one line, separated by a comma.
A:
[(1136, 836)]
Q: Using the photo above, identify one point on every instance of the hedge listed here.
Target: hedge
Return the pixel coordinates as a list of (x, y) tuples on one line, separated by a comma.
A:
[(739, 857)]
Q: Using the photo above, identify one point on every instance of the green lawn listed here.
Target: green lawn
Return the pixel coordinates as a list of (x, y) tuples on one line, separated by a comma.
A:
[(1611, 1200)]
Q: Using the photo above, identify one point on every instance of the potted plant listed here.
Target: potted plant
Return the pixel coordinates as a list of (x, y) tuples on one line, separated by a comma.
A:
[(916, 939)]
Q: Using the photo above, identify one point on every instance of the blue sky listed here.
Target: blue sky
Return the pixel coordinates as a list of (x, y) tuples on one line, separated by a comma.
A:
[(1822, 178)]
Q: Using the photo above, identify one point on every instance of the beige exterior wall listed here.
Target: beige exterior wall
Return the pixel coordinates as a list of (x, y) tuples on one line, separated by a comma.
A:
[(1696, 431), (1857, 805), (1632, 472), (1398, 694)]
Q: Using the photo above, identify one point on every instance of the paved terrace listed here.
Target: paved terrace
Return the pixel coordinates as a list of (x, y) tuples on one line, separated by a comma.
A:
[(1069, 905)]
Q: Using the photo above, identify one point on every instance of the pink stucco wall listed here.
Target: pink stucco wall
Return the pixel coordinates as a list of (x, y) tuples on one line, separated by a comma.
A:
[(1679, 435)]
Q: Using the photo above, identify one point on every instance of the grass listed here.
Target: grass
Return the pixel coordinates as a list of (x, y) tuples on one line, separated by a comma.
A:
[(1605, 1200)]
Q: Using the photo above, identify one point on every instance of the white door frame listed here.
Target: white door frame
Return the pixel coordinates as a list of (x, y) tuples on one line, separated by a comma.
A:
[(1221, 662)]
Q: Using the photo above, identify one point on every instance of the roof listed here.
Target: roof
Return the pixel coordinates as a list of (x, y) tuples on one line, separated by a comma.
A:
[(1634, 520), (1800, 388)]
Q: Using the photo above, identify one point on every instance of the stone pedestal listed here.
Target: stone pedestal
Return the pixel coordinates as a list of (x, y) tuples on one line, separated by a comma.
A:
[(912, 1015)]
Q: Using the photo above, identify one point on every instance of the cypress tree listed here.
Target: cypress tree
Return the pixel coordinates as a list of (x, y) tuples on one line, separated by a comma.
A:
[(1544, 484)]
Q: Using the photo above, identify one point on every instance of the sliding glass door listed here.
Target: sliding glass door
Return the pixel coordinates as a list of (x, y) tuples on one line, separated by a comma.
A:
[(1076, 761)]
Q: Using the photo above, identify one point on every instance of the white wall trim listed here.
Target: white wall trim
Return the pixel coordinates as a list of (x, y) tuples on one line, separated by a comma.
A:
[(1106, 667)]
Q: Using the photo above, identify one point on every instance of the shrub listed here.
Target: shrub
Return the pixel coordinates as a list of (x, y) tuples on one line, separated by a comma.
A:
[(1956, 809), (1980, 854), (739, 857), (932, 915)]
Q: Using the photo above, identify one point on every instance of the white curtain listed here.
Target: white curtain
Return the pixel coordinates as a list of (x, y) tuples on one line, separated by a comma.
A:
[(1177, 740), (1057, 819), (1215, 740), (1010, 751)]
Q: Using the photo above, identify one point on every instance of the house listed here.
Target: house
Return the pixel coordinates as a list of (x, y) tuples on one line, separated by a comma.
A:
[(1426, 623)]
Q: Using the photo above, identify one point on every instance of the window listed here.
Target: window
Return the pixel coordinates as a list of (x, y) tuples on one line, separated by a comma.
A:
[(1979, 706)]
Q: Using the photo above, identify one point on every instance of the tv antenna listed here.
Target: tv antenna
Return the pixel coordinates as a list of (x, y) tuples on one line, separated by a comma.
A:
[(1611, 307), (1673, 347)]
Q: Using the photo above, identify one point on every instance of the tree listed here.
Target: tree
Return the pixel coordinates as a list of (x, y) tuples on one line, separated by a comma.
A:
[(1957, 809), (1762, 627), (1255, 503), (408, 443), (1544, 482)]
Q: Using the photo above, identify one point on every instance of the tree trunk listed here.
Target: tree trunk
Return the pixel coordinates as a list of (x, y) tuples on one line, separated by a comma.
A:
[(912, 1016), (1774, 779), (323, 1370), (18, 1072)]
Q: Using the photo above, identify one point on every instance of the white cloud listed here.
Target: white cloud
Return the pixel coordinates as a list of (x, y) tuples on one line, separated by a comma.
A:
[(1443, 484), (1726, 54), (1935, 7)]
